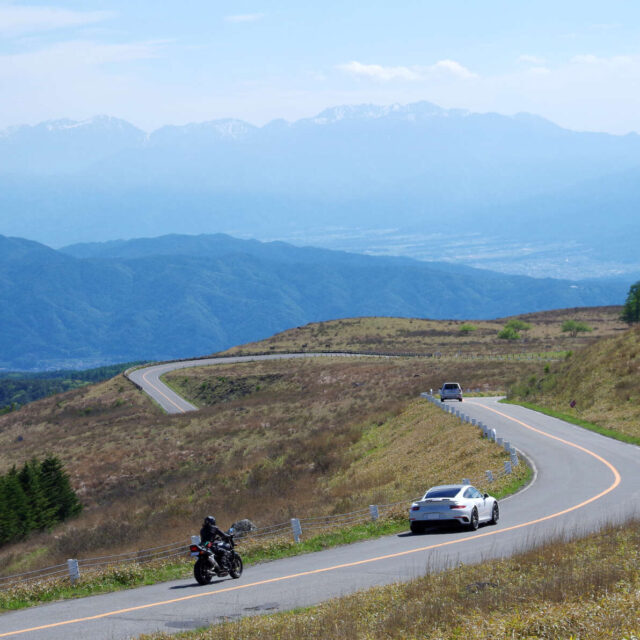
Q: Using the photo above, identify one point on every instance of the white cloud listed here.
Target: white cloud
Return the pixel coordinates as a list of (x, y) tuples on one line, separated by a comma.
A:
[(21, 20), (386, 74), (613, 61), (452, 67), (378, 72), (245, 17)]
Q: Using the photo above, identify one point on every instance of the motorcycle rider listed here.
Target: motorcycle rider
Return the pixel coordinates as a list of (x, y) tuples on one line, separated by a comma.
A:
[(210, 533)]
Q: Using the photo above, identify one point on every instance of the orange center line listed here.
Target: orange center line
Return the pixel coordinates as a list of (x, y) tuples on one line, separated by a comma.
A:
[(615, 483)]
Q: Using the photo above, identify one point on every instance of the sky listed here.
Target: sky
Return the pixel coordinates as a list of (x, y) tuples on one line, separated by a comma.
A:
[(155, 63)]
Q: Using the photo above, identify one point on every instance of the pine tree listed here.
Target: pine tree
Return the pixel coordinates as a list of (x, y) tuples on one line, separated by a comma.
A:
[(30, 477), (60, 496), (631, 310), (18, 505), (9, 522)]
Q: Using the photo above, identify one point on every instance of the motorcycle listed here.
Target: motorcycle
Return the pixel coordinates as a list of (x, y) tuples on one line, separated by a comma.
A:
[(207, 565)]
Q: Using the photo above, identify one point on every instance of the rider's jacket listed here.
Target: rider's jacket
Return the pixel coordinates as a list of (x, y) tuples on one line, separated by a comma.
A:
[(211, 533)]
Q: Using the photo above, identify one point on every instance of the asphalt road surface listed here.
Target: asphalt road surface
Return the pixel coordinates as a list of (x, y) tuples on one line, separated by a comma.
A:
[(582, 481)]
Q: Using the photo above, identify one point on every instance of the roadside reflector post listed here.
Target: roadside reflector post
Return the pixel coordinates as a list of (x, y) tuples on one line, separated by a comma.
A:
[(373, 510), (296, 527), (507, 446), (507, 466), (473, 421), (514, 458), (74, 570), (195, 539), (489, 475), (492, 434), (499, 441)]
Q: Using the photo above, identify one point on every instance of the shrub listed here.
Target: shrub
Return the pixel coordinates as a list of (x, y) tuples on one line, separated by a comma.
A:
[(574, 327), (517, 325), (508, 333), (468, 328)]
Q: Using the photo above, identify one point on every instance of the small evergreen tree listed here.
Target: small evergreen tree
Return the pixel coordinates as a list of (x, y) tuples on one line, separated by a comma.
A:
[(42, 514), (631, 310), (60, 496), (9, 521), (17, 505)]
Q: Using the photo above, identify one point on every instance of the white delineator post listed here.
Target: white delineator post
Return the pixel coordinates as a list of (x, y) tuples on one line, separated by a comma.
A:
[(489, 475), (507, 466), (74, 570), (296, 527), (373, 510)]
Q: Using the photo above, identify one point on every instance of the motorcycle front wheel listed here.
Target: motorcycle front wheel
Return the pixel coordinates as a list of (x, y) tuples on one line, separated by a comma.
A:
[(236, 566), (202, 572)]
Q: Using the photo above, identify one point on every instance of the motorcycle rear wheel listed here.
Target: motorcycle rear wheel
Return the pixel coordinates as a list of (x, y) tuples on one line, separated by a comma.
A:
[(201, 572), (236, 566)]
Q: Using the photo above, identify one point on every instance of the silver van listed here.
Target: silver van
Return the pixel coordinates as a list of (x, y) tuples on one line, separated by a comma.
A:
[(451, 391)]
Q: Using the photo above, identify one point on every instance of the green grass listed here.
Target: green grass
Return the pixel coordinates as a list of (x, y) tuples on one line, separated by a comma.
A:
[(110, 579), (610, 433)]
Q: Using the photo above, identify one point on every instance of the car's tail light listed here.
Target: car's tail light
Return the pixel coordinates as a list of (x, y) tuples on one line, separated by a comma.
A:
[(193, 548), (415, 507), (457, 506)]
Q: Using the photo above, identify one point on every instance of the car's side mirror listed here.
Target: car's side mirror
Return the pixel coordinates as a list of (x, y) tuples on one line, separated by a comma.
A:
[(486, 495)]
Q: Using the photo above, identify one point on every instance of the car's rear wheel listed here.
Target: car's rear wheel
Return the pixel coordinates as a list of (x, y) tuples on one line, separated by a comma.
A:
[(460, 399), (474, 523), (495, 514), (417, 527)]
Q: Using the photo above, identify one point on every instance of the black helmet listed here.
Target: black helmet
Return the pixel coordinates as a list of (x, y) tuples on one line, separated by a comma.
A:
[(210, 520)]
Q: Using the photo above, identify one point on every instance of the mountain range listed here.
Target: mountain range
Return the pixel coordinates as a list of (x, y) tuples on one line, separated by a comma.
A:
[(180, 296), (411, 168)]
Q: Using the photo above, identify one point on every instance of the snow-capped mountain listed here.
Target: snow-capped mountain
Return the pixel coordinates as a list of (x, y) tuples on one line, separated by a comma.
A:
[(368, 166)]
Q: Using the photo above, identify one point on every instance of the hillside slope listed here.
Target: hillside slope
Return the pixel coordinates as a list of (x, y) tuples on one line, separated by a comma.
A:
[(602, 379), (273, 440), (447, 337)]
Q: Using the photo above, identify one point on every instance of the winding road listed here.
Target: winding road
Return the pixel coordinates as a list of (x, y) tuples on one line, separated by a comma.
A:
[(582, 481)]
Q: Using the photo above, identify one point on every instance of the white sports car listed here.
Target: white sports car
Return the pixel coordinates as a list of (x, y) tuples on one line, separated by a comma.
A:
[(451, 503)]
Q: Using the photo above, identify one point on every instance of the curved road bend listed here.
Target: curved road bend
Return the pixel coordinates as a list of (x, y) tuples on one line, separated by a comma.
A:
[(583, 480), (149, 377)]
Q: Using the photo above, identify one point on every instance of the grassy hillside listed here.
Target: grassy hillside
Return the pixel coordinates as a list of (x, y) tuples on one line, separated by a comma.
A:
[(593, 592), (273, 440), (411, 335), (602, 379)]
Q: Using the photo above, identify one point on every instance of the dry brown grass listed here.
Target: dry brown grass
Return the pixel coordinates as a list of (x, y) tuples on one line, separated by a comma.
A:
[(418, 335), (587, 588), (603, 379), (282, 439)]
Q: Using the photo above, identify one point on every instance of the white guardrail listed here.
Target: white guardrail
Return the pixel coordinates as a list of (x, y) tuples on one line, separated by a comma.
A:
[(297, 528)]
